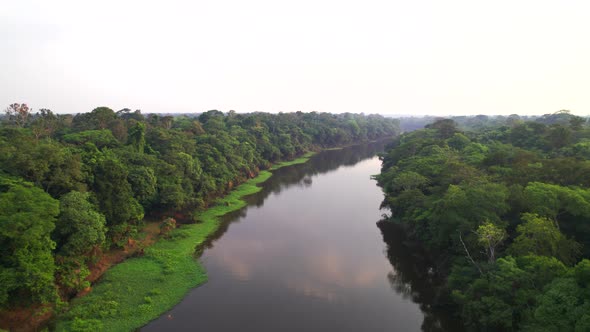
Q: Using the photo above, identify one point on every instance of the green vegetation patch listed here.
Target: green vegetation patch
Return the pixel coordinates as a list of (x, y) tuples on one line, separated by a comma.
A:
[(140, 289), (72, 183), (300, 160), (505, 211)]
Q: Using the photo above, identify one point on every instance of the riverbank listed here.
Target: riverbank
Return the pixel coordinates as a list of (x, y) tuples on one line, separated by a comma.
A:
[(288, 256), (140, 289), (296, 161)]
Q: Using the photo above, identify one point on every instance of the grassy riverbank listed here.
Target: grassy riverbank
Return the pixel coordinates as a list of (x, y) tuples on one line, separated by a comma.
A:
[(141, 289), (299, 160)]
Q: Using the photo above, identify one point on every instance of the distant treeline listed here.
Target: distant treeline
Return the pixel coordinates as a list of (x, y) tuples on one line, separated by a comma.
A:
[(72, 186), (477, 122), (505, 212)]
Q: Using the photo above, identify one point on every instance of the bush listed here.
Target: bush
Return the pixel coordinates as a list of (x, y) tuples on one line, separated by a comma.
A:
[(86, 325), (167, 226)]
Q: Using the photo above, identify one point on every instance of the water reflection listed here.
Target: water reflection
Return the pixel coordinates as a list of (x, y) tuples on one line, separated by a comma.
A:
[(302, 176), (327, 161), (416, 277), (304, 256)]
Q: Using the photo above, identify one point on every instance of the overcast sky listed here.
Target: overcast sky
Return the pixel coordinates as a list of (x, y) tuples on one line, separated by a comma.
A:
[(402, 57)]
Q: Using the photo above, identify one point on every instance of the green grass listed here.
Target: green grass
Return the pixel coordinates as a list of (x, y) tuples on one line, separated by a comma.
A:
[(138, 290), (299, 160)]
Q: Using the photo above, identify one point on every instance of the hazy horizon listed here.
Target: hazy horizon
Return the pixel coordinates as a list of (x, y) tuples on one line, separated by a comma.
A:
[(388, 57)]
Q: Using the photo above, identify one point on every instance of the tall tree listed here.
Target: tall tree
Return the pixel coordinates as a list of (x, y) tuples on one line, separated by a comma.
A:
[(27, 218), (489, 236), (18, 114), (114, 195), (80, 228), (540, 236)]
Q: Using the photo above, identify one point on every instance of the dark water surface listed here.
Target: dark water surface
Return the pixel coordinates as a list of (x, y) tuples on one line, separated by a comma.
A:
[(305, 255)]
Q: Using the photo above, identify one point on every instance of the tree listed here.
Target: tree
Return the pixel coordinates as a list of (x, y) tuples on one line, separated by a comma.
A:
[(490, 236), (122, 160), (513, 120), (80, 228), (505, 294), (540, 236), (143, 181), (458, 141), (474, 153), (577, 122), (118, 128), (115, 196), (102, 116), (543, 199), (559, 136), (408, 180), (137, 136), (167, 226), (100, 138), (27, 217), (551, 200), (464, 206), (561, 307), (126, 114), (99, 118), (46, 163), (44, 124), (494, 301), (446, 128), (18, 113)]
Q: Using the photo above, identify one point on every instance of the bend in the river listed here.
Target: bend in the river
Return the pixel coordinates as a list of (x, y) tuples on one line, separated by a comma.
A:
[(306, 255)]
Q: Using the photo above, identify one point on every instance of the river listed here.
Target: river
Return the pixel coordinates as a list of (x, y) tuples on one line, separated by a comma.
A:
[(306, 255)]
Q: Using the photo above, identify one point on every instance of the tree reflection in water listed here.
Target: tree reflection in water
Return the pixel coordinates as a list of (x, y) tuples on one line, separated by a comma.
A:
[(298, 175), (416, 277)]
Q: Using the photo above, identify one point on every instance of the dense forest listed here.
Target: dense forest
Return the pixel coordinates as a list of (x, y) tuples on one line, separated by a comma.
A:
[(482, 121), (74, 186), (503, 208)]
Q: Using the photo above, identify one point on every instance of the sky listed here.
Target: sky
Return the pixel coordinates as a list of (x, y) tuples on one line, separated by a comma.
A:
[(394, 57)]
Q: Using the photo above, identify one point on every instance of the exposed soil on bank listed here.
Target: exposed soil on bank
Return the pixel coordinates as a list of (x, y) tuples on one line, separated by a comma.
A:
[(35, 318)]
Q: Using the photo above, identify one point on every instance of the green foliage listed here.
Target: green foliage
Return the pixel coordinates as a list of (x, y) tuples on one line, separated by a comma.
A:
[(138, 290), (501, 298), (107, 169), (100, 138), (550, 200), (296, 161), (46, 163), (463, 207), (27, 217), (489, 236), (99, 118), (540, 236), (408, 180), (167, 226), (561, 307), (79, 227), (458, 141), (445, 128), (144, 184), (516, 188), (490, 302), (71, 274), (86, 325), (474, 153), (114, 193), (137, 137)]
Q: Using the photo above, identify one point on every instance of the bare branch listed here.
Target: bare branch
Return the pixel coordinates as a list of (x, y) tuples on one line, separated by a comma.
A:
[(469, 255)]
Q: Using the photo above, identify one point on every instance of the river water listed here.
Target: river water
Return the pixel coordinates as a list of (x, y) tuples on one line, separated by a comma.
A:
[(306, 255)]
